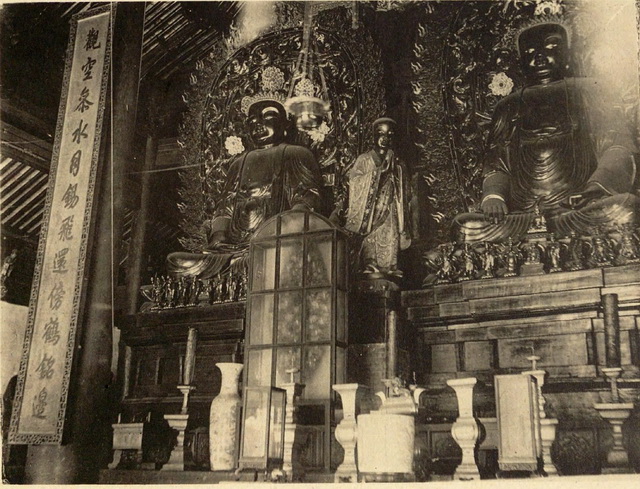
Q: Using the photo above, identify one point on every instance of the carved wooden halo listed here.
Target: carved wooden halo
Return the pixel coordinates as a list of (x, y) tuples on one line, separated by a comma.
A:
[(352, 70)]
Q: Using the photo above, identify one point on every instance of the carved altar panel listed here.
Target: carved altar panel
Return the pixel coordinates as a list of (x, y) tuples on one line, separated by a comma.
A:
[(516, 404)]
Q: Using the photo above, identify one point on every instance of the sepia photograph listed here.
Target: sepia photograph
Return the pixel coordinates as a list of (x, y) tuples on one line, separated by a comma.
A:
[(320, 242)]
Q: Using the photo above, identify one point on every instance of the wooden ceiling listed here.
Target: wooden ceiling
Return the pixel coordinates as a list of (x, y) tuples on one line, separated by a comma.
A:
[(176, 34)]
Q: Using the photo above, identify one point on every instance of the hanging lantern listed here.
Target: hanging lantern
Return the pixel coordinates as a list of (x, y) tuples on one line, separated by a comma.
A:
[(307, 101), (309, 112)]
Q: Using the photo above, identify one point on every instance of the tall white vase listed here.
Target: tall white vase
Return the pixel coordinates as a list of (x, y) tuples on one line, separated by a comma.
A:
[(223, 419)]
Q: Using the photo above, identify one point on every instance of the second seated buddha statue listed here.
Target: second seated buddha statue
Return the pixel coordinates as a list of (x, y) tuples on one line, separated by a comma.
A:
[(270, 179), (554, 151)]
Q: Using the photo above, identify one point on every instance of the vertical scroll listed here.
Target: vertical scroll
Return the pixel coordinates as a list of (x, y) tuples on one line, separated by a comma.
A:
[(56, 296)]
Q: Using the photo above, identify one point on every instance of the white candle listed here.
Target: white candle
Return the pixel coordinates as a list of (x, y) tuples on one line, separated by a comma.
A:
[(190, 357)]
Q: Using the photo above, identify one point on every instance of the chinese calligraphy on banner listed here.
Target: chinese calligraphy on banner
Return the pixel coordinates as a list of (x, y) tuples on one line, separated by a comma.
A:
[(43, 381)]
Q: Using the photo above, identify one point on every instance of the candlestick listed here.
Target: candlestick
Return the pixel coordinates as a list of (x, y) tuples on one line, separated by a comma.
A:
[(190, 357), (611, 329), (612, 374), (292, 372), (186, 391), (534, 361)]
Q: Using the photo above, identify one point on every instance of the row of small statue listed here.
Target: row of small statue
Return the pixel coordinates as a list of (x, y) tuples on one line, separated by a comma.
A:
[(460, 262), (168, 292)]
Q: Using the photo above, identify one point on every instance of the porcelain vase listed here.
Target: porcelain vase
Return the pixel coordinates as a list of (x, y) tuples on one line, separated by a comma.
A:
[(223, 419)]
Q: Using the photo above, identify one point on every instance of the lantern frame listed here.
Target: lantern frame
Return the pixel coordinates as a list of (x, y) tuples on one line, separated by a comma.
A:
[(270, 415), (284, 282)]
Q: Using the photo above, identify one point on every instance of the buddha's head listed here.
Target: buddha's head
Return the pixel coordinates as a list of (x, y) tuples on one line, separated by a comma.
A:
[(544, 53), (267, 123), (384, 133)]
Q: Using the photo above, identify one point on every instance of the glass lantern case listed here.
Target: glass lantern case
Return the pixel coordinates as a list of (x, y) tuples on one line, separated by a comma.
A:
[(262, 428), (296, 314)]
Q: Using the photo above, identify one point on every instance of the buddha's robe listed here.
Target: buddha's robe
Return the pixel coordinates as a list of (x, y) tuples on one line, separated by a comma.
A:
[(260, 184), (377, 209), (547, 143)]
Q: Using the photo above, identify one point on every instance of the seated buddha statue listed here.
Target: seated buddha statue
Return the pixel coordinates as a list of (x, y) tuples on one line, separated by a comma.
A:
[(554, 152), (270, 179)]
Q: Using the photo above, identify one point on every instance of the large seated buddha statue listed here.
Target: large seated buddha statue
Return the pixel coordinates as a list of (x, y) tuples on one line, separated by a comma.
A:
[(270, 179), (554, 151)]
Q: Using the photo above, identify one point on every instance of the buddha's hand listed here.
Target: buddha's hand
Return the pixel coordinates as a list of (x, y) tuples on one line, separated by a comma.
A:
[(216, 230), (216, 238), (336, 217), (495, 209), (591, 192), (300, 206)]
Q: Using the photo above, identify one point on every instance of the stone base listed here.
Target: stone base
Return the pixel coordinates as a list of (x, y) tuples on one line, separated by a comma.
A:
[(176, 461), (387, 477)]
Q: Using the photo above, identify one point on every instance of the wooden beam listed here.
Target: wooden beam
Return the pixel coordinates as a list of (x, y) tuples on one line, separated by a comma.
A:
[(25, 147)]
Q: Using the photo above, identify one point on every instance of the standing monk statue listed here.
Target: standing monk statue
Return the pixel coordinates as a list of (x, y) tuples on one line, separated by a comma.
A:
[(272, 178), (378, 210), (554, 150)]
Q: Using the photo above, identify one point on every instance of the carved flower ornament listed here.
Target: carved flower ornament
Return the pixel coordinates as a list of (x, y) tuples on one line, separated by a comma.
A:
[(318, 134), (272, 79), (233, 145), (548, 7), (305, 88), (501, 85)]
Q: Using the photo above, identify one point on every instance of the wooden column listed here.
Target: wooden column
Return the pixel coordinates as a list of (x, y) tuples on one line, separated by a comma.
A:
[(137, 246), (92, 399), (392, 344)]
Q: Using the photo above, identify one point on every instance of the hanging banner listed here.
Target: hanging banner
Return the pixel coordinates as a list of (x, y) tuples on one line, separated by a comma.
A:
[(43, 381)]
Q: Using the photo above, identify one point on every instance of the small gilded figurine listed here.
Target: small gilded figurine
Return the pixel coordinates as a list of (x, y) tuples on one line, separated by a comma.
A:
[(628, 251), (7, 267), (575, 252), (488, 261), (378, 203), (467, 263), (512, 258), (553, 256), (601, 252), (445, 272)]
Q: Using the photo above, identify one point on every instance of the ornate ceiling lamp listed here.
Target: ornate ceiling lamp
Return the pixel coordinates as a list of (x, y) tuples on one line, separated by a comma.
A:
[(308, 99)]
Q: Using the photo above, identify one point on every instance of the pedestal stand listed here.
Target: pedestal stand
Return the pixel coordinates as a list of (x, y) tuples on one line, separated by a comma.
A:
[(546, 432), (465, 430), (291, 465), (179, 423), (616, 413), (127, 436), (375, 334), (347, 432), (548, 435)]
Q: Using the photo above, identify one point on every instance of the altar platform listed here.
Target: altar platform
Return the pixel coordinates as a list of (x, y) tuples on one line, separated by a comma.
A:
[(483, 328), (613, 481), (490, 326)]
